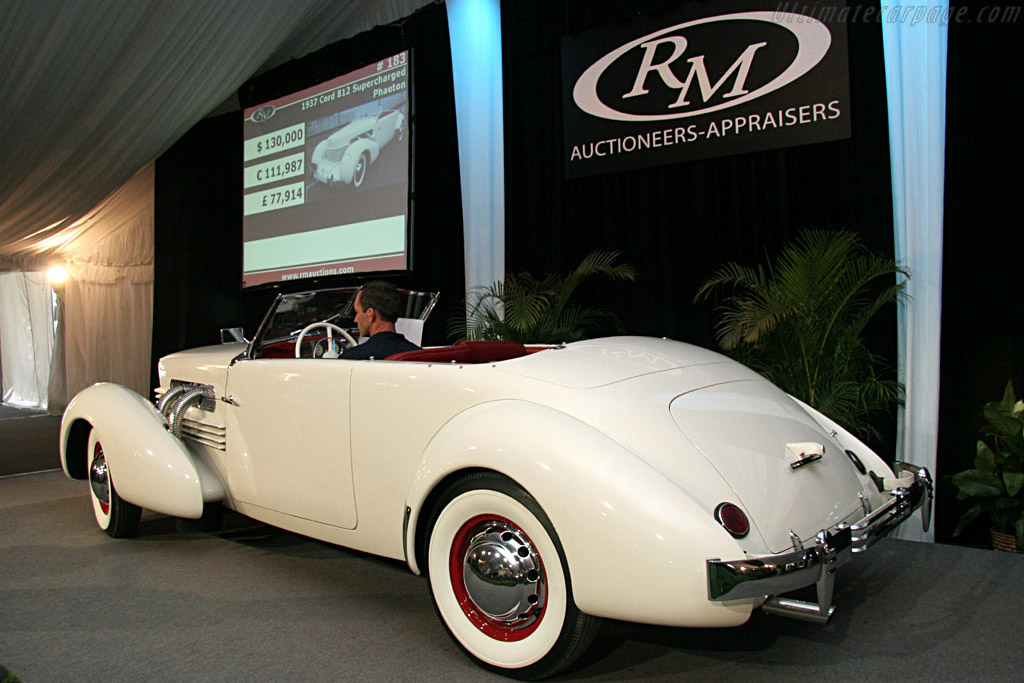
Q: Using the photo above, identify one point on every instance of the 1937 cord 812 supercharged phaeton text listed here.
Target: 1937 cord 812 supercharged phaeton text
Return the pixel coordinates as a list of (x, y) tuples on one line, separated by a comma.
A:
[(530, 484)]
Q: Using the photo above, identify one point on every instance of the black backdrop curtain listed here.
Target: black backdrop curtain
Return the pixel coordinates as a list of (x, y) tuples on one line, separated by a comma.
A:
[(198, 260), (983, 261), (679, 222)]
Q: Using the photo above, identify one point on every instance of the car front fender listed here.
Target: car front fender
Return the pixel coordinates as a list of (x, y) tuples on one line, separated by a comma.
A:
[(347, 166), (152, 468), (635, 543)]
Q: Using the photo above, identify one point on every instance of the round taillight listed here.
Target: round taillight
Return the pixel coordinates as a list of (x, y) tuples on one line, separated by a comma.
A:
[(733, 519)]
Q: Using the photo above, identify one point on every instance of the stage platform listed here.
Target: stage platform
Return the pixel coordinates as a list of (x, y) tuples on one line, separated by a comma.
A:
[(28, 440), (253, 602)]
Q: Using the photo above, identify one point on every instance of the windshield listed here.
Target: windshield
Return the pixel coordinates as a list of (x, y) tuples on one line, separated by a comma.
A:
[(290, 313)]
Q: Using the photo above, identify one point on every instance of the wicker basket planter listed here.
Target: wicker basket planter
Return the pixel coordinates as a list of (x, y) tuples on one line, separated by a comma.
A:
[(1005, 542)]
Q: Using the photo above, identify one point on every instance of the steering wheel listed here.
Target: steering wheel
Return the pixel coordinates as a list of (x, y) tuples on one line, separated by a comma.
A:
[(330, 327)]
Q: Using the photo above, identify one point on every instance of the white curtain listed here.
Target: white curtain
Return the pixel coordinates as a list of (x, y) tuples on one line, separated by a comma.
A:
[(26, 338), (103, 329), (474, 27), (915, 67), (108, 298)]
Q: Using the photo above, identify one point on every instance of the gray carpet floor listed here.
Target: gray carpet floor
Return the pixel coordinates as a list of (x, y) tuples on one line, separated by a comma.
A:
[(252, 602)]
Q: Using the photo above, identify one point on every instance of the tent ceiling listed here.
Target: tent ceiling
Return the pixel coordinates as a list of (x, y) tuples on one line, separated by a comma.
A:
[(93, 90)]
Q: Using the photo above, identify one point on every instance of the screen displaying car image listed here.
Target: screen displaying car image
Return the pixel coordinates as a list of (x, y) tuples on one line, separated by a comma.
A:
[(326, 178)]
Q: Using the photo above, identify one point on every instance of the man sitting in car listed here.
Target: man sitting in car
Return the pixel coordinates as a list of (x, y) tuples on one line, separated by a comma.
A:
[(377, 307)]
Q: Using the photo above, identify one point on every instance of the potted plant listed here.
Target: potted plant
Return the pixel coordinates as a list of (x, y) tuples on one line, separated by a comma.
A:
[(996, 482), (524, 309), (800, 322)]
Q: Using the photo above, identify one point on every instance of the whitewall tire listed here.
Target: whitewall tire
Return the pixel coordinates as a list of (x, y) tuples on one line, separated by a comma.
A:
[(500, 581), (359, 174), (116, 516)]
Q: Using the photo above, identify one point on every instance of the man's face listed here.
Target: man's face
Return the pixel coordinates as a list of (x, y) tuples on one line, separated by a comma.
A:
[(362, 317)]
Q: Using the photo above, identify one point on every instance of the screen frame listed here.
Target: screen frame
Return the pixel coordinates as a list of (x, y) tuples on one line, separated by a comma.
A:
[(299, 283)]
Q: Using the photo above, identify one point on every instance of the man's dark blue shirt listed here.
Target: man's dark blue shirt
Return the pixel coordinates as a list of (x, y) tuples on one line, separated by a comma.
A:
[(379, 346)]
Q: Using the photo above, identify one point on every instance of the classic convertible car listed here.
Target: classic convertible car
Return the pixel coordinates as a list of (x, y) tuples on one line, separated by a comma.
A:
[(540, 488), (347, 153)]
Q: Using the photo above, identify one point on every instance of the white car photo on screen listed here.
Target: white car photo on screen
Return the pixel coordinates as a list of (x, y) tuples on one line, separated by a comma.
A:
[(346, 155)]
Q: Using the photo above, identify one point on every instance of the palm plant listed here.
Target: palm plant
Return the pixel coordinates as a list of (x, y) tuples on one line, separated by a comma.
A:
[(801, 323), (524, 309), (996, 482)]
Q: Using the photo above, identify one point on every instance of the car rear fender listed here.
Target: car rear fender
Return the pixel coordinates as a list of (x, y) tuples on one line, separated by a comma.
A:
[(635, 543), (150, 466)]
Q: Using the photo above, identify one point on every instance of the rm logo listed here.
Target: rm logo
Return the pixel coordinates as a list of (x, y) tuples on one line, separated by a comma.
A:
[(666, 63)]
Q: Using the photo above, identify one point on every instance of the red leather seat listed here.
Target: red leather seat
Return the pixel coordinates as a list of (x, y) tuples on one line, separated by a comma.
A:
[(464, 352)]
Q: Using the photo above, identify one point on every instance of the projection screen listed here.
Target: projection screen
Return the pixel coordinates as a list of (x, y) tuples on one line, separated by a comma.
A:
[(326, 178)]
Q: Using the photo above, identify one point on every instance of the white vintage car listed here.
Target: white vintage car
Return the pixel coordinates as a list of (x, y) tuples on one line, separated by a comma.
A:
[(540, 488), (347, 153)]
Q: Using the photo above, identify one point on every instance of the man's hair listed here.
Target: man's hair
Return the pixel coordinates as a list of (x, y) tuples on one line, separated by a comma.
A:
[(382, 297)]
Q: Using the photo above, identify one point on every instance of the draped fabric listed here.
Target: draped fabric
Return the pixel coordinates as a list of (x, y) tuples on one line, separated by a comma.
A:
[(915, 65), (104, 328), (26, 338), (475, 30), (108, 298), (93, 90), (105, 322)]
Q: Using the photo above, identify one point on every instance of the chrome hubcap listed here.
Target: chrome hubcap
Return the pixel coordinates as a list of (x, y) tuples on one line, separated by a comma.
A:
[(360, 170), (503, 576), (99, 479)]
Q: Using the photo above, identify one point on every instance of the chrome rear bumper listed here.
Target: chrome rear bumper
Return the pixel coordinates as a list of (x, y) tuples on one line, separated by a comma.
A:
[(776, 574)]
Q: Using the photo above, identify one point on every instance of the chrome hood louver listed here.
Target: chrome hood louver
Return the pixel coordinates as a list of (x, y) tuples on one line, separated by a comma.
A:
[(190, 383)]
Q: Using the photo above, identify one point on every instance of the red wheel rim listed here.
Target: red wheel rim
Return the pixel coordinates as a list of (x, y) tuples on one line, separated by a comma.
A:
[(507, 630)]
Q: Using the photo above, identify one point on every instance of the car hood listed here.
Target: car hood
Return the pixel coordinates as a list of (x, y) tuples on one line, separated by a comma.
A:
[(203, 365)]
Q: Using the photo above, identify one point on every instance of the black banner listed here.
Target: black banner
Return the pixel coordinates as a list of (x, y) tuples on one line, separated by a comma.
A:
[(702, 81)]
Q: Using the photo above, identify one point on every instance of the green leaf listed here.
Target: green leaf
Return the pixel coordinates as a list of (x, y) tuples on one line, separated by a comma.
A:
[(967, 518), (1006, 503), (978, 484), (1014, 482), (1008, 397), (986, 460), (999, 414)]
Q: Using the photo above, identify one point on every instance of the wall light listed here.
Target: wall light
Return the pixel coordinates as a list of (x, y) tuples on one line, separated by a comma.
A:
[(57, 275)]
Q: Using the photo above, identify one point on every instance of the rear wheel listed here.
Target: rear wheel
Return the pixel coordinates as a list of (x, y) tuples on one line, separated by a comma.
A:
[(116, 516), (500, 581)]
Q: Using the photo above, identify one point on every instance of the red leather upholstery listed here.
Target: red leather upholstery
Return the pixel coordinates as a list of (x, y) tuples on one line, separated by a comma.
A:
[(465, 352)]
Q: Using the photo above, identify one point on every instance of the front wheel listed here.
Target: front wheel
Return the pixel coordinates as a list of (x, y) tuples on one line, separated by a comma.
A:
[(116, 516), (500, 581), (359, 174)]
